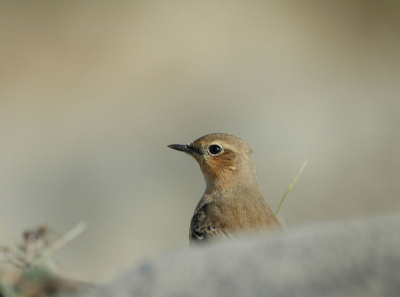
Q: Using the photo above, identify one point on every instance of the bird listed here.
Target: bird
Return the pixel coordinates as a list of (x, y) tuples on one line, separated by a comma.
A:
[(232, 204)]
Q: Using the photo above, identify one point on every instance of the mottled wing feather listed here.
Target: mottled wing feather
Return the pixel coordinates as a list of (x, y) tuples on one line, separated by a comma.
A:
[(203, 231)]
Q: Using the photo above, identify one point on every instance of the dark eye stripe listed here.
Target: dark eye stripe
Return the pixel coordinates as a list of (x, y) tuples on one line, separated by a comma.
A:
[(193, 149)]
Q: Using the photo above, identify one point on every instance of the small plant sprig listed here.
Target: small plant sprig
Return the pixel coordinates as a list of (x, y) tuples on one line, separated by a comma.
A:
[(37, 248), (291, 186)]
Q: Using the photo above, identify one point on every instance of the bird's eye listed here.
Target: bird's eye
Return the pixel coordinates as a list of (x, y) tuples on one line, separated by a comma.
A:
[(214, 149)]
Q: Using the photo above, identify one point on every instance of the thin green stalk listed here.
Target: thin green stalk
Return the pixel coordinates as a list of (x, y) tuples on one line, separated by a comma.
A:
[(291, 186)]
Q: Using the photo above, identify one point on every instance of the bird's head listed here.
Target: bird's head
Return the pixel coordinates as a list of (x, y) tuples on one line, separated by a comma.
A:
[(224, 159)]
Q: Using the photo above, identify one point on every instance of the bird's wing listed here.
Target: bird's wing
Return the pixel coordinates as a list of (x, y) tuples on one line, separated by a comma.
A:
[(202, 229)]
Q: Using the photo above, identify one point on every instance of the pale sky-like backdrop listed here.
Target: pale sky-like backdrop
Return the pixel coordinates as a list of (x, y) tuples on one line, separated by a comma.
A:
[(92, 92)]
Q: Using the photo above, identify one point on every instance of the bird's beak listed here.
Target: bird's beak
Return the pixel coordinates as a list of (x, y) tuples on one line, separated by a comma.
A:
[(183, 148)]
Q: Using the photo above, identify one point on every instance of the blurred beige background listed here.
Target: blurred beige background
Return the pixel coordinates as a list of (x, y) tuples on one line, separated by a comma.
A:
[(92, 92)]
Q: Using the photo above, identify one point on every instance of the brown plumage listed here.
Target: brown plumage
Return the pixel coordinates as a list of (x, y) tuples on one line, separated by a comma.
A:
[(232, 202)]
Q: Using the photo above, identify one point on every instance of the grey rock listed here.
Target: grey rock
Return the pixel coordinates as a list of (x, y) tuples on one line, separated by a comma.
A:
[(355, 258)]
